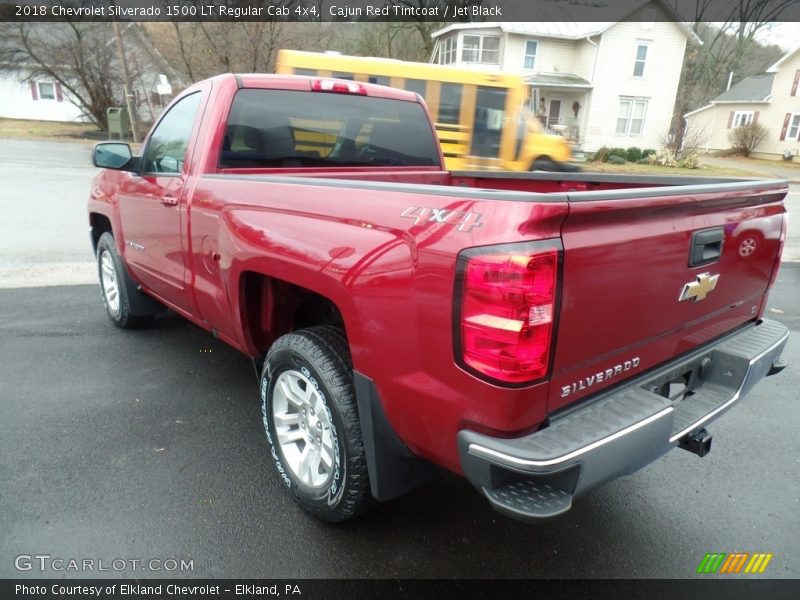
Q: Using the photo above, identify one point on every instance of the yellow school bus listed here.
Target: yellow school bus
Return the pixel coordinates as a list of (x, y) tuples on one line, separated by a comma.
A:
[(482, 117)]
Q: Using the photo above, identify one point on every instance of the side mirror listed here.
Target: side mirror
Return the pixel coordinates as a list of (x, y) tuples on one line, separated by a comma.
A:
[(112, 155)]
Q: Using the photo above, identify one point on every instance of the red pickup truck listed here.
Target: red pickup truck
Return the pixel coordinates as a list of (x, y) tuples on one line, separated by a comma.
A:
[(540, 334)]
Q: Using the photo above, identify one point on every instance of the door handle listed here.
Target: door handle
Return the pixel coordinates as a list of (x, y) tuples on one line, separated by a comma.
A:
[(706, 246), (168, 200)]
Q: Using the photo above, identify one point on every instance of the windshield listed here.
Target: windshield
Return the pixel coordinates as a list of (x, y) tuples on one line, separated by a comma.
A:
[(281, 128)]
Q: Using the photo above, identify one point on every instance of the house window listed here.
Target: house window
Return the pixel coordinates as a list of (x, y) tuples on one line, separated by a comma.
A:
[(531, 47), (630, 116), (447, 51), (47, 91), (794, 128), (641, 59), (742, 117), (480, 49)]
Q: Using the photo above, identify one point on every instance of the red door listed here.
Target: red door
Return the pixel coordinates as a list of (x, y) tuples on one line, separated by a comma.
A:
[(152, 206)]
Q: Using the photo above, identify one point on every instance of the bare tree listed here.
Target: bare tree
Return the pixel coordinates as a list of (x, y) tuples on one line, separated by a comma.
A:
[(421, 21), (729, 45), (381, 38), (746, 138), (81, 57), (202, 49)]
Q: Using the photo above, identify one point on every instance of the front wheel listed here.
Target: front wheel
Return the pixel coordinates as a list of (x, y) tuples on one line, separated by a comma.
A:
[(114, 285), (311, 420)]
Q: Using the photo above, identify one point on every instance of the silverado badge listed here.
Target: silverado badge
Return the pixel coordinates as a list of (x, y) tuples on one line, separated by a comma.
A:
[(699, 289)]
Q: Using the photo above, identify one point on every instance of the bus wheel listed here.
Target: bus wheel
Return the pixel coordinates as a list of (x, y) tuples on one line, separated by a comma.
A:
[(544, 163)]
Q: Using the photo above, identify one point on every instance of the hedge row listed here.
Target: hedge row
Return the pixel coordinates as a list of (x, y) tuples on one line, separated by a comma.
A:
[(632, 154)]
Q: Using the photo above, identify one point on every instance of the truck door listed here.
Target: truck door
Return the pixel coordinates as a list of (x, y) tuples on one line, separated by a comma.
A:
[(152, 207)]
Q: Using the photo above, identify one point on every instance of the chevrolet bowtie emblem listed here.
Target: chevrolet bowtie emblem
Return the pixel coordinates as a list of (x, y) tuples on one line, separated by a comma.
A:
[(699, 289)]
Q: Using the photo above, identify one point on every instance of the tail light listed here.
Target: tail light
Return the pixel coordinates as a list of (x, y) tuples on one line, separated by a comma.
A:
[(506, 310), (338, 87)]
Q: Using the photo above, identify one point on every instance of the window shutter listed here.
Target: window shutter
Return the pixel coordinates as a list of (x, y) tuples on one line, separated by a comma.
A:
[(794, 83), (34, 91), (755, 117), (730, 120), (785, 125), (60, 94)]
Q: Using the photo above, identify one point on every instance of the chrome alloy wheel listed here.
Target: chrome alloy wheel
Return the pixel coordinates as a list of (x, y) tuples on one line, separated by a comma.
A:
[(303, 427), (110, 284)]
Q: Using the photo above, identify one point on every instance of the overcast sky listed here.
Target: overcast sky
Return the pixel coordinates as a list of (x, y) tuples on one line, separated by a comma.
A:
[(785, 35)]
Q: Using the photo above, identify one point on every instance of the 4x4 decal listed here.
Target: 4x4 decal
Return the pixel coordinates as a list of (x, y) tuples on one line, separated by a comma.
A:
[(466, 220)]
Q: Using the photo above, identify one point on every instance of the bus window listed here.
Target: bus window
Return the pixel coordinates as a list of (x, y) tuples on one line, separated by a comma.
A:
[(450, 103), (476, 111), (489, 115), (415, 85), (341, 75), (308, 72)]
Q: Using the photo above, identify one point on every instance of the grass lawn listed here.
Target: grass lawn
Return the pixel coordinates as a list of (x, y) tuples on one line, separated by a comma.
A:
[(702, 171), (45, 130), (763, 162)]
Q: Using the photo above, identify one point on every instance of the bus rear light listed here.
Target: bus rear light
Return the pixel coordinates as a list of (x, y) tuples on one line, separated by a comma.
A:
[(507, 309), (338, 87)]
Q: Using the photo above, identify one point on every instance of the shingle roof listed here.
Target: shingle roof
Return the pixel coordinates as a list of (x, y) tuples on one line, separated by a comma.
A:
[(562, 29), (557, 80), (750, 89), (572, 20)]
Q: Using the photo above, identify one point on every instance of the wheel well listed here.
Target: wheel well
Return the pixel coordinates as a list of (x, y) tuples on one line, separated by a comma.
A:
[(100, 224), (272, 307)]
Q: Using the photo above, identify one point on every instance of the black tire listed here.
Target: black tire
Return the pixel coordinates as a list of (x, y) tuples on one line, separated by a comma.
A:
[(544, 163), (117, 303), (315, 362)]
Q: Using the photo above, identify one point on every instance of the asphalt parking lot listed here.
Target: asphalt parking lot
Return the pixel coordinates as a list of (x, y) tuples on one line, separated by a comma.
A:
[(142, 445), (148, 444)]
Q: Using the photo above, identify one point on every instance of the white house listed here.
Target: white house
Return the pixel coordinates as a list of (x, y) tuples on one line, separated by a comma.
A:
[(26, 94), (771, 98), (40, 99), (598, 83)]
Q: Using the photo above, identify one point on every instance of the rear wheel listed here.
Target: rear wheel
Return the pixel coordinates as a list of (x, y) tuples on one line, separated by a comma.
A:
[(114, 285), (311, 421), (544, 163)]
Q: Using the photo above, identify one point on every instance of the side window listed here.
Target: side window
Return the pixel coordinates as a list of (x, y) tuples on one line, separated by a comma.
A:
[(490, 112), (531, 49), (167, 146), (416, 85), (641, 59), (450, 103)]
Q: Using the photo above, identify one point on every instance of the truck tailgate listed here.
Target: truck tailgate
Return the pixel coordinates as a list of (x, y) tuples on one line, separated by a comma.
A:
[(651, 274)]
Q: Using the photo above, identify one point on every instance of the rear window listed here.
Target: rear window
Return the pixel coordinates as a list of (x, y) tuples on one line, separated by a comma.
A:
[(281, 128)]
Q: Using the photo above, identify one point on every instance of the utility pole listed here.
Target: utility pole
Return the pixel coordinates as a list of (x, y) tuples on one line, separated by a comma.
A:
[(126, 83)]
